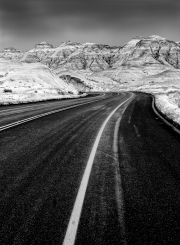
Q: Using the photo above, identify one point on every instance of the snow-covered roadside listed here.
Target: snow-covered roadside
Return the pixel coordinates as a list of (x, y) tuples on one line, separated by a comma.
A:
[(169, 105), (24, 83), (21, 99)]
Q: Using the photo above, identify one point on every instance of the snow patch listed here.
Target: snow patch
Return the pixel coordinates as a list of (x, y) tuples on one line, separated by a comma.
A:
[(169, 104)]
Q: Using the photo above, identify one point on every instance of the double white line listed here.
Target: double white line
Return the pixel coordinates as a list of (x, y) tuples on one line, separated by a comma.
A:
[(42, 115)]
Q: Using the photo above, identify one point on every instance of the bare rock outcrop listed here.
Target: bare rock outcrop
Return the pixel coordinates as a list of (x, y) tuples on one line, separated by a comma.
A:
[(140, 51), (153, 50), (126, 66), (30, 58), (143, 59), (43, 45), (11, 53), (75, 56), (77, 83), (40, 53)]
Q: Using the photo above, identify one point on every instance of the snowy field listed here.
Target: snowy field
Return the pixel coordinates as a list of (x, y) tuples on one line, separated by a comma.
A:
[(23, 83)]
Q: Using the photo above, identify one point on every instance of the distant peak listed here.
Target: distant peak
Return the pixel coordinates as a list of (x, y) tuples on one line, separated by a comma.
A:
[(156, 36), (10, 49), (43, 45), (88, 43), (149, 37), (69, 43), (138, 37)]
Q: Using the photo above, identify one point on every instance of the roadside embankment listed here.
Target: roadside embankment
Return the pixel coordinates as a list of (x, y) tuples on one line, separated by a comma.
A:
[(169, 105), (7, 99)]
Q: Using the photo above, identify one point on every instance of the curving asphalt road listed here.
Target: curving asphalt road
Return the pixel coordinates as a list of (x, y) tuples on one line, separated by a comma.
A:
[(42, 163), (133, 185)]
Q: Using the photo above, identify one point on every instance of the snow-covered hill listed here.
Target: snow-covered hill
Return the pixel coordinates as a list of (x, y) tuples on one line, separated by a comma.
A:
[(144, 63), (22, 82)]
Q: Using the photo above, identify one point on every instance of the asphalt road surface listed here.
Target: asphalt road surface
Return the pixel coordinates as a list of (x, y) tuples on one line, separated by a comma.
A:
[(95, 170)]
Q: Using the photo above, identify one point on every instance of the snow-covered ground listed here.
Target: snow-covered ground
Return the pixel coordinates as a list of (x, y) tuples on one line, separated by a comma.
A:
[(13, 98), (169, 105), (22, 82)]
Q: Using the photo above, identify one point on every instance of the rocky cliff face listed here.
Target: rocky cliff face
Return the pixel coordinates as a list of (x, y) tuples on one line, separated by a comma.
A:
[(142, 60), (11, 53), (44, 45), (77, 83), (75, 56), (153, 50), (126, 65), (30, 58)]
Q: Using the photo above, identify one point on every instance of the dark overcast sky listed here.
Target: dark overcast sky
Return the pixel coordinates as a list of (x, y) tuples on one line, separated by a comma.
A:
[(23, 23)]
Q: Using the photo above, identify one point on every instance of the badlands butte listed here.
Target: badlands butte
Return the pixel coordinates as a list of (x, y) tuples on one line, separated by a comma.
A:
[(146, 64)]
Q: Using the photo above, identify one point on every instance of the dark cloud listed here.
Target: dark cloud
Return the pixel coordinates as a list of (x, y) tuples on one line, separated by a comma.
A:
[(51, 19), (28, 8)]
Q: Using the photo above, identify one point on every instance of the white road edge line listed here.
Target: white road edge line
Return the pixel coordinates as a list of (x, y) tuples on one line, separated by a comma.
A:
[(42, 115), (76, 212), (157, 113)]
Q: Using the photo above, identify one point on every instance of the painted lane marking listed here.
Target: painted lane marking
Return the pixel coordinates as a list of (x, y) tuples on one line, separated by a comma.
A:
[(136, 130), (97, 107), (118, 181), (76, 212), (42, 115), (20, 108), (29, 109)]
